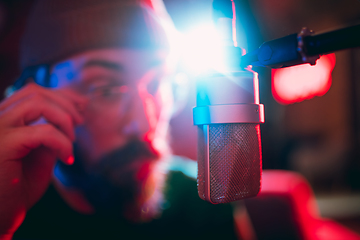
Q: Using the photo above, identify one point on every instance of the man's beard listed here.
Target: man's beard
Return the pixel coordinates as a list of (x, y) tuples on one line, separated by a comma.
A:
[(126, 182)]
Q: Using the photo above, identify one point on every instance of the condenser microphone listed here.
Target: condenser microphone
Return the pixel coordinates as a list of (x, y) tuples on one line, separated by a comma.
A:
[(228, 114)]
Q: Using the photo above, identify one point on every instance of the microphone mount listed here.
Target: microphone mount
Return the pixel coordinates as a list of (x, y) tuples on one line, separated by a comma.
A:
[(300, 48)]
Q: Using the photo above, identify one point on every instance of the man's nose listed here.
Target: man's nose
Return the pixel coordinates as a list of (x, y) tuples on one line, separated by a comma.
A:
[(141, 120)]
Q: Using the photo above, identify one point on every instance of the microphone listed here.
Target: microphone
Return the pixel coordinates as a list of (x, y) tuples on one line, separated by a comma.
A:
[(228, 114)]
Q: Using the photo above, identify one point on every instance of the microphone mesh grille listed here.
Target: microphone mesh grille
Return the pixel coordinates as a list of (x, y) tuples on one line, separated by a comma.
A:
[(201, 163), (234, 161)]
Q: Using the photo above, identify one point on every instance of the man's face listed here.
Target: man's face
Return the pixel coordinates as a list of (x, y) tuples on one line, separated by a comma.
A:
[(128, 97), (130, 101)]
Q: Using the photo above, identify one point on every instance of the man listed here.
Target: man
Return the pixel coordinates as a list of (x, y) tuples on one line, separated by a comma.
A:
[(98, 99)]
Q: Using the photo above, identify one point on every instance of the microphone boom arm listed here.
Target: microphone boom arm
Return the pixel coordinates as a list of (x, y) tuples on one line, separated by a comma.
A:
[(300, 48)]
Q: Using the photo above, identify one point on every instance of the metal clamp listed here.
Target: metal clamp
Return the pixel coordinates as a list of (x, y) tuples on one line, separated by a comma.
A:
[(305, 32)]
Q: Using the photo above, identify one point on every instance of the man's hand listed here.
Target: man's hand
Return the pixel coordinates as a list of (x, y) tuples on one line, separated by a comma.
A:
[(28, 151)]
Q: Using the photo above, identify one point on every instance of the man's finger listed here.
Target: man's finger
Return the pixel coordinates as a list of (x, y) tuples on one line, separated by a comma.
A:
[(69, 102), (20, 141), (35, 107), (80, 101)]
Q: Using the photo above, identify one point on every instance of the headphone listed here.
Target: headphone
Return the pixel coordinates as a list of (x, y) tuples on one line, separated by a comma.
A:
[(40, 74)]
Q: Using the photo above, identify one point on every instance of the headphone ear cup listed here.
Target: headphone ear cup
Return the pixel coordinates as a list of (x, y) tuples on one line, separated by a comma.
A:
[(9, 91), (17, 85), (38, 74), (24, 79)]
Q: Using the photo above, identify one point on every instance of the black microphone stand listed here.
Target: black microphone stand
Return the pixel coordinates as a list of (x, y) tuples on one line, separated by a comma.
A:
[(303, 47)]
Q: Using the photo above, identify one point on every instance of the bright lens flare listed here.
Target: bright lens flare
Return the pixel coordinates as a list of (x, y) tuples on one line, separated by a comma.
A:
[(202, 50), (298, 83)]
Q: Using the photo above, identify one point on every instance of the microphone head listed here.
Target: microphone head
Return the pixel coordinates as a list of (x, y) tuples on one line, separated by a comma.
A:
[(228, 114), (229, 161)]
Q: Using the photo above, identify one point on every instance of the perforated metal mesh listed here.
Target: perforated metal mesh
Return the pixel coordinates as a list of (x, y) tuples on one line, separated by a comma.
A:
[(234, 161), (201, 163)]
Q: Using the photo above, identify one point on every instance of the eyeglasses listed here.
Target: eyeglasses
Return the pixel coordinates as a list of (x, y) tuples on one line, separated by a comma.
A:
[(114, 94), (108, 94)]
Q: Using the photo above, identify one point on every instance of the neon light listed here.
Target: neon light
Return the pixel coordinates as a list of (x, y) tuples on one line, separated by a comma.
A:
[(292, 189), (298, 83)]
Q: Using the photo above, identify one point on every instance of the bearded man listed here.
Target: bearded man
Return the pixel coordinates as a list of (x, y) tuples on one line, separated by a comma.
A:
[(90, 118)]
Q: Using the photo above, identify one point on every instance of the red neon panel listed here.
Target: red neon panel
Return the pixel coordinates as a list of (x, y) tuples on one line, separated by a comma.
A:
[(298, 83)]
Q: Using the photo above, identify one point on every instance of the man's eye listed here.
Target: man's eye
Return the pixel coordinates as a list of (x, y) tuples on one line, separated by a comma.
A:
[(109, 91)]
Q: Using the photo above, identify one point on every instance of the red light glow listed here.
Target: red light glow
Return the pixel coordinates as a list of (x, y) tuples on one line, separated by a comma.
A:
[(298, 83), (15, 181), (296, 191)]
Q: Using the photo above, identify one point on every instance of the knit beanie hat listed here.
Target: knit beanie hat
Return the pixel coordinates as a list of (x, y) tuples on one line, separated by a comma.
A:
[(57, 29)]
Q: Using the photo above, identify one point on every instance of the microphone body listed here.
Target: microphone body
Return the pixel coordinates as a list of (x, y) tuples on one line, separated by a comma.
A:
[(228, 115)]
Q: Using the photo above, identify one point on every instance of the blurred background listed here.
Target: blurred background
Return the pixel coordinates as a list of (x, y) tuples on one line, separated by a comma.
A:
[(317, 136)]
